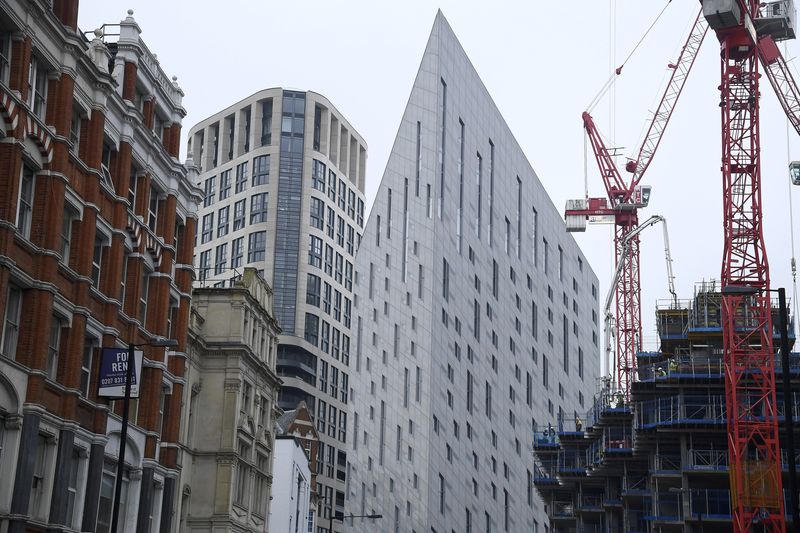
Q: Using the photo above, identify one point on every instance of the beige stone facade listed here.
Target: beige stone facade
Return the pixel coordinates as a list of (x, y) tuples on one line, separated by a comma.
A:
[(230, 408)]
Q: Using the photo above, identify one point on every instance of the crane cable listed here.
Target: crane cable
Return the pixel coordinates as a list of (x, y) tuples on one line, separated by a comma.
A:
[(613, 78), (791, 218)]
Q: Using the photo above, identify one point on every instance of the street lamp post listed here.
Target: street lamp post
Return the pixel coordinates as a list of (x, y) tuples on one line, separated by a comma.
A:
[(787, 392), (343, 517), (126, 406)]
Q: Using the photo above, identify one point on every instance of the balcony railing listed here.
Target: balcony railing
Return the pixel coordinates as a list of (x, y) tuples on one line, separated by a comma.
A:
[(681, 410), (591, 501), (708, 460), (710, 503), (563, 509)]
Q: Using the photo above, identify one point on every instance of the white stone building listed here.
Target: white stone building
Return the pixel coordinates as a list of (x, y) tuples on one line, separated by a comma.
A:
[(230, 407)]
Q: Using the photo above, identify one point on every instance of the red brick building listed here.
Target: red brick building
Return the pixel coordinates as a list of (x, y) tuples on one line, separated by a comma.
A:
[(97, 223)]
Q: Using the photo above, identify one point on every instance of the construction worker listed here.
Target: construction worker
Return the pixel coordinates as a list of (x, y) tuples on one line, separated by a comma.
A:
[(620, 399), (660, 372), (673, 365), (578, 425)]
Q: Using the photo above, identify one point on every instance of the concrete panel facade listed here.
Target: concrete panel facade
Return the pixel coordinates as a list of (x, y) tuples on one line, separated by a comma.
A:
[(476, 317)]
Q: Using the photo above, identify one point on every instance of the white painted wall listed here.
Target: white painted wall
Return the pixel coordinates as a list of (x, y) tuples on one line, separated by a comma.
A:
[(291, 488)]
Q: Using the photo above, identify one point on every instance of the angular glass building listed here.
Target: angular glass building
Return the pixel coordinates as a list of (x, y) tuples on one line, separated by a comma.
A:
[(475, 318)]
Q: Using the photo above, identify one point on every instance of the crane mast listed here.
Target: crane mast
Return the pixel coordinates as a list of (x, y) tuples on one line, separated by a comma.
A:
[(746, 30)]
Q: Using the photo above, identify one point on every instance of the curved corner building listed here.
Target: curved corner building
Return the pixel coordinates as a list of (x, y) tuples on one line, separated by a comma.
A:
[(283, 174)]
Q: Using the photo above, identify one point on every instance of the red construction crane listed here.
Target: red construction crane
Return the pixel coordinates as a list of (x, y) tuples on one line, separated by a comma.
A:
[(621, 206), (747, 31)]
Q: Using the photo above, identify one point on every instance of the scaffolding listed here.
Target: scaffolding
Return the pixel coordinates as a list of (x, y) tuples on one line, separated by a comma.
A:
[(658, 461)]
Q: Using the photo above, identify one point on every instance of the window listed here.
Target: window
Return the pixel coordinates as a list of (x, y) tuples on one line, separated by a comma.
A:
[(545, 371), (315, 251), (11, 322), (152, 209), (242, 487), (266, 122), (74, 127), (340, 231), (239, 209), (257, 246), (318, 175), (350, 239), (132, 189), (237, 252), (208, 228), (342, 190), (261, 487), (25, 209), (546, 255), (97, 258), (332, 185), (258, 208), (221, 260), (72, 483), (317, 213), (241, 177), (107, 497), (488, 401), (331, 220), (225, 184), (145, 287), (312, 328), (261, 170), (442, 493), (210, 188), (86, 365), (37, 79), (5, 56), (53, 346), (37, 504), (69, 215), (205, 264), (222, 221), (329, 260), (313, 286)]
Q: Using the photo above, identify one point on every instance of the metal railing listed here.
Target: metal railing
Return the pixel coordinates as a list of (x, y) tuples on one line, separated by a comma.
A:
[(571, 461), (710, 503), (667, 507), (681, 410), (545, 437), (631, 484), (544, 471), (617, 438), (563, 509), (636, 522), (684, 367), (592, 500), (666, 463), (708, 460)]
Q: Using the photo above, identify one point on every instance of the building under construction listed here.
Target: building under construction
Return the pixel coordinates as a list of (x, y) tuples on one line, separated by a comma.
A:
[(660, 461)]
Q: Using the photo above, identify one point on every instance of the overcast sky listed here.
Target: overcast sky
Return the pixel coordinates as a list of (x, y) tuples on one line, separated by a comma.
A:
[(542, 62)]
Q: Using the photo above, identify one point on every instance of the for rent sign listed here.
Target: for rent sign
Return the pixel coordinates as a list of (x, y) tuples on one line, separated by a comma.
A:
[(113, 369)]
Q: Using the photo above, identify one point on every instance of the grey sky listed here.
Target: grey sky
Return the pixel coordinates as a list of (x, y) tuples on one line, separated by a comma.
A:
[(543, 62)]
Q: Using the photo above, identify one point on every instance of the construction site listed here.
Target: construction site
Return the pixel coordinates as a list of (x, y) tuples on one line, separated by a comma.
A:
[(658, 461), (698, 434)]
